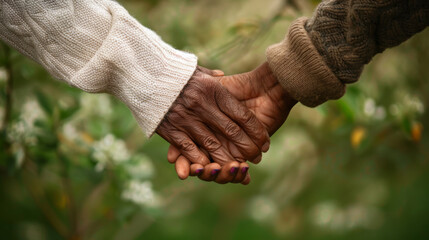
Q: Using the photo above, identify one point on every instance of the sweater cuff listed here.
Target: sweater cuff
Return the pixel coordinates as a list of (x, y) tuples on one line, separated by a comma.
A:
[(301, 70)]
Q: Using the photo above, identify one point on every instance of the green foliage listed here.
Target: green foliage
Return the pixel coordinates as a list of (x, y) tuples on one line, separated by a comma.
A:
[(76, 166)]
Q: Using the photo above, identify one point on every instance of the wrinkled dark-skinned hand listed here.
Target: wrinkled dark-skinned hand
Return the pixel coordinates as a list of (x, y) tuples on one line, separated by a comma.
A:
[(206, 110), (259, 91)]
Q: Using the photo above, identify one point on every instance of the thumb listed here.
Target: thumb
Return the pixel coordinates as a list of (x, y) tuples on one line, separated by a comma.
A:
[(213, 73)]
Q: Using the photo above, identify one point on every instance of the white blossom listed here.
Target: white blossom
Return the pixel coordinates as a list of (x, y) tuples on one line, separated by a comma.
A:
[(96, 104), (19, 154), (70, 131), (324, 213), (294, 145), (371, 110), (406, 104), (414, 104), (31, 111), (369, 107), (24, 130), (110, 149), (143, 169), (380, 113), (330, 216), (140, 193), (262, 209)]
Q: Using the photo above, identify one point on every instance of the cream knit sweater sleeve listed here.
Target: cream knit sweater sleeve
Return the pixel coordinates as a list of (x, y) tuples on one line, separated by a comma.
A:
[(95, 45)]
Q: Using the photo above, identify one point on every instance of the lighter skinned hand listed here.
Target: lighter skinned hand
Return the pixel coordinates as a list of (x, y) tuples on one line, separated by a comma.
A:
[(205, 112), (260, 92)]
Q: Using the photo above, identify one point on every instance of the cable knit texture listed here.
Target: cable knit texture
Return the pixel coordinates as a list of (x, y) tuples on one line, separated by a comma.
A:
[(97, 46), (347, 34)]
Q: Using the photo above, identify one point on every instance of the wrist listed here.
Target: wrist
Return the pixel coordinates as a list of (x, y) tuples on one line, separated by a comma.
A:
[(264, 73)]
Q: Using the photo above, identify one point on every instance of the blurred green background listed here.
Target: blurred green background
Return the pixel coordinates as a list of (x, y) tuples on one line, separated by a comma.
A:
[(76, 166)]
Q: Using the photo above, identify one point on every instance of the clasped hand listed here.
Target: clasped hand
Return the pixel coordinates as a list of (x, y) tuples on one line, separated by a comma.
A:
[(220, 122)]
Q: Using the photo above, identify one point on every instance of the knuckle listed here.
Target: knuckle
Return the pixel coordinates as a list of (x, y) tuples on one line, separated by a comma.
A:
[(232, 130), (254, 128), (179, 118), (165, 129), (192, 95), (192, 100), (247, 117), (174, 117), (261, 136), (211, 144), (187, 145)]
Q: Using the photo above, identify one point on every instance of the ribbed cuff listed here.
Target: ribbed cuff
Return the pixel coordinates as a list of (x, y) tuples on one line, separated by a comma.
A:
[(178, 69), (301, 70)]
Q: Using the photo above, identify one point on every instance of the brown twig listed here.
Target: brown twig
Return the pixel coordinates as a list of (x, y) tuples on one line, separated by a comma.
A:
[(240, 43), (292, 3), (33, 185), (85, 224), (73, 212)]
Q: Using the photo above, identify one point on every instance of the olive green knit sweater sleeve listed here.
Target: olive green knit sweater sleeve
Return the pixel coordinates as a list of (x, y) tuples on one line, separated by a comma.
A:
[(321, 55)]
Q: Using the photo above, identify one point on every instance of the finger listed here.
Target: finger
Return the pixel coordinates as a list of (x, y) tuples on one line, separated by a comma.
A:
[(233, 133), (183, 167), (242, 173), (213, 73), (210, 172), (182, 142), (232, 148), (245, 119), (204, 136), (227, 173), (173, 154), (246, 180), (257, 159), (196, 169), (208, 141)]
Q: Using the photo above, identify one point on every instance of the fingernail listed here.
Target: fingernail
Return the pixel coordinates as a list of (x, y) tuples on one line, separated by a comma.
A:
[(215, 171), (266, 147), (244, 170), (199, 171), (233, 170)]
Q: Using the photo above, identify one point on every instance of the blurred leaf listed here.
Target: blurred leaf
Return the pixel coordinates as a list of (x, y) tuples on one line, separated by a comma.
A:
[(46, 125), (179, 35), (346, 157), (41, 156), (97, 128), (357, 136), (416, 132), (68, 113), (407, 125), (45, 103), (243, 28), (48, 140), (346, 109)]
